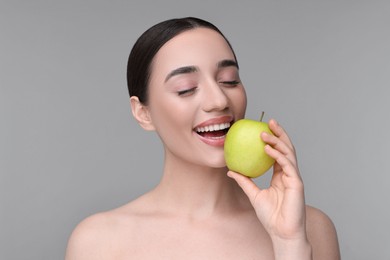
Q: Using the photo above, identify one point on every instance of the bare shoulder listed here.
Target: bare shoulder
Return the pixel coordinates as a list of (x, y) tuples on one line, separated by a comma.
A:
[(87, 237), (322, 235), (96, 236)]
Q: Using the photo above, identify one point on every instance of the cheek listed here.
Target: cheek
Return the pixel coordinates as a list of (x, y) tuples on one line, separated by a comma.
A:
[(240, 101), (170, 119), (162, 116)]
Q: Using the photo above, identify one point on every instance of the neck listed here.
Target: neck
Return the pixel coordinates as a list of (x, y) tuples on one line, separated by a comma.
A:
[(198, 191)]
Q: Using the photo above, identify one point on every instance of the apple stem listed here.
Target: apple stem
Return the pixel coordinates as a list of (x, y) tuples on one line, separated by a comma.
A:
[(261, 117)]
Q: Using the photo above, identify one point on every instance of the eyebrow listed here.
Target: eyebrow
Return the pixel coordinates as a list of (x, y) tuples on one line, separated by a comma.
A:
[(227, 63), (181, 70), (192, 69)]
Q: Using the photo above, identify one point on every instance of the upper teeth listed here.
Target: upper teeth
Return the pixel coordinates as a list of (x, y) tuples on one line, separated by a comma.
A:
[(215, 127)]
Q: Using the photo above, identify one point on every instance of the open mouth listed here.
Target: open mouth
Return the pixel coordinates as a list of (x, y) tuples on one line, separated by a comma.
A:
[(215, 131)]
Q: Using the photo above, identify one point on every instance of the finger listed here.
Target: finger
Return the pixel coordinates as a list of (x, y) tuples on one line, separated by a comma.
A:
[(279, 131), (246, 184), (276, 180), (288, 167), (279, 145)]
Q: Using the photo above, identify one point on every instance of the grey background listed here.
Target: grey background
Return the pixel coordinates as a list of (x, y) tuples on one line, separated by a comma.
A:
[(69, 146)]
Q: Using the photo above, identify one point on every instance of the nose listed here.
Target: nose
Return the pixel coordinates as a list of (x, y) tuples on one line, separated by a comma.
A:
[(214, 98)]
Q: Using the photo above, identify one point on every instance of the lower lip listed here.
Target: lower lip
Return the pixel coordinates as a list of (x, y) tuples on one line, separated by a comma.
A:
[(219, 142)]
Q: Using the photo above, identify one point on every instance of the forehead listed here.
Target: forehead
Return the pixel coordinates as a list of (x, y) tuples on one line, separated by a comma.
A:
[(195, 47)]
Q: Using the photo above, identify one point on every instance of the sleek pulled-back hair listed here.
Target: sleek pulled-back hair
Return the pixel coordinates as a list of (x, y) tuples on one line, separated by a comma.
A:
[(149, 43)]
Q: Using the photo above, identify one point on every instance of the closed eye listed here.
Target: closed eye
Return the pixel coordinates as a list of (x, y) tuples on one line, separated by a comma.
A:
[(186, 92), (230, 83)]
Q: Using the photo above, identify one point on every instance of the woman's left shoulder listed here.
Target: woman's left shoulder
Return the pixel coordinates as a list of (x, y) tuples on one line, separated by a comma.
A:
[(322, 234), (316, 216)]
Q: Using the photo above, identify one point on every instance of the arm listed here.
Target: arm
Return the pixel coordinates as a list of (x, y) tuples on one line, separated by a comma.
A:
[(322, 235)]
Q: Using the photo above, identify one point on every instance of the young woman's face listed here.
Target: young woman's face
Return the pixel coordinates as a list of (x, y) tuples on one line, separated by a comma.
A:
[(195, 93)]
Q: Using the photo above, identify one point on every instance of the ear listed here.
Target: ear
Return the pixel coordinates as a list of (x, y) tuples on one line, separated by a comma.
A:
[(141, 114)]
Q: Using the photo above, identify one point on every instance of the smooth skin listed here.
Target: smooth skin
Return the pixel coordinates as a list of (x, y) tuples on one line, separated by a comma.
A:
[(200, 210)]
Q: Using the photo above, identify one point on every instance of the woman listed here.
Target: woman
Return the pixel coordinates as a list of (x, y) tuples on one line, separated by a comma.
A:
[(183, 77)]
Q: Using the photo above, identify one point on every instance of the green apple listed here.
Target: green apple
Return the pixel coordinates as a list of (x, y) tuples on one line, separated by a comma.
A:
[(244, 149)]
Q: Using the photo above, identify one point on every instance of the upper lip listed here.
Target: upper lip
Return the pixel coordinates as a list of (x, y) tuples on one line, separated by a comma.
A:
[(214, 121)]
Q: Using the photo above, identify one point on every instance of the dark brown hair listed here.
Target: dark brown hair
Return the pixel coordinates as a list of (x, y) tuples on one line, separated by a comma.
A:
[(149, 43)]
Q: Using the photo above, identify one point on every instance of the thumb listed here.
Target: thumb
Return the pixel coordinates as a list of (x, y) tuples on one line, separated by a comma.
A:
[(247, 185)]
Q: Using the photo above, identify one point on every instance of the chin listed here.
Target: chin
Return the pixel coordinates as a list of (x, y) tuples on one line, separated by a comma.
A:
[(216, 160), (220, 164)]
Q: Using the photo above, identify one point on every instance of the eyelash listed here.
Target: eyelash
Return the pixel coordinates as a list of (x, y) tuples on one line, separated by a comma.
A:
[(186, 91), (232, 83)]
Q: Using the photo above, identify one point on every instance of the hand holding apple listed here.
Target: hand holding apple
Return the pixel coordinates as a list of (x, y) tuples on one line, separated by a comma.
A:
[(244, 149), (280, 207)]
